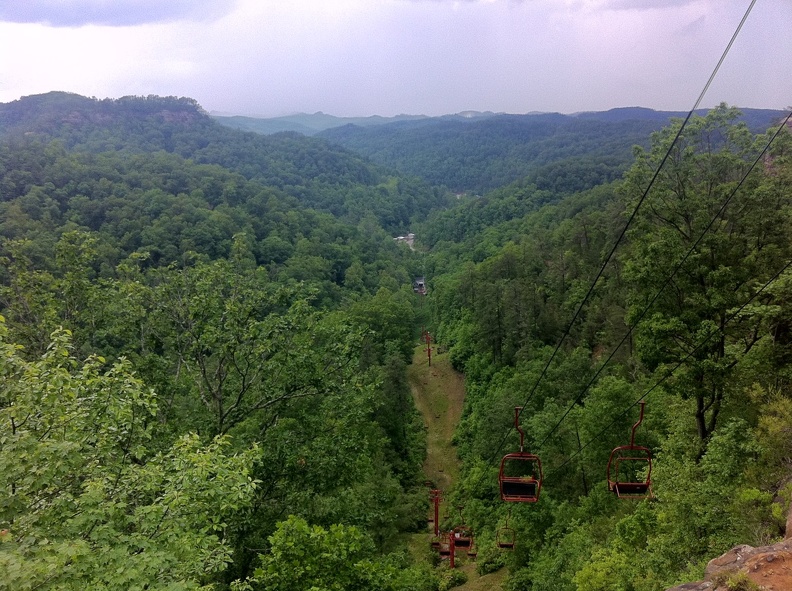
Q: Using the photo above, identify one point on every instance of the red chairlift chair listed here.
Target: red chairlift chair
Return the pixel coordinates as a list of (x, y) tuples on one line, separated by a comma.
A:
[(463, 534), (444, 548), (463, 537), (473, 549), (506, 537), (624, 465), (520, 475)]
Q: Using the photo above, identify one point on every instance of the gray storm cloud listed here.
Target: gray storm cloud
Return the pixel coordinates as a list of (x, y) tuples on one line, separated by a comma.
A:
[(646, 4), (118, 13), (364, 57)]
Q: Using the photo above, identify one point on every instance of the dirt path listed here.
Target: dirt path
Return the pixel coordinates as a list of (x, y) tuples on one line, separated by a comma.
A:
[(439, 393)]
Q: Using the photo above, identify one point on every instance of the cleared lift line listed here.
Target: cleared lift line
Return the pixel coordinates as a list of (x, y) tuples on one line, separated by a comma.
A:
[(668, 280), (671, 371), (627, 225)]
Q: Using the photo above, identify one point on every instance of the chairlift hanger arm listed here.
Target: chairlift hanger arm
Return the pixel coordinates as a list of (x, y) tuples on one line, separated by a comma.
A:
[(517, 411), (640, 420)]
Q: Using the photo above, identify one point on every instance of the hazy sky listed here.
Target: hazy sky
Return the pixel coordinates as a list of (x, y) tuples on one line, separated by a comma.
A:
[(365, 57)]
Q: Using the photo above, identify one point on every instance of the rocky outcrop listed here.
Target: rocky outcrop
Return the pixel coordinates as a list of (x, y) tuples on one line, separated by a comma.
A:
[(770, 567)]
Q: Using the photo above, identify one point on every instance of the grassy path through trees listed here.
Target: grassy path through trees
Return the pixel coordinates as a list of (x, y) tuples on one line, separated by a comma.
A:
[(439, 393)]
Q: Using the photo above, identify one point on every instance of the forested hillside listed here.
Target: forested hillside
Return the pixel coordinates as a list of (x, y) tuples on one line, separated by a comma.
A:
[(199, 357), (690, 316), (559, 153), (318, 175), (205, 334), (304, 123)]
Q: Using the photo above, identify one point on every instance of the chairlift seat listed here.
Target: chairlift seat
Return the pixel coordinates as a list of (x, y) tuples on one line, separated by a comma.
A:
[(632, 489), (505, 538), (627, 487), (630, 459), (524, 487), (463, 536), (516, 489)]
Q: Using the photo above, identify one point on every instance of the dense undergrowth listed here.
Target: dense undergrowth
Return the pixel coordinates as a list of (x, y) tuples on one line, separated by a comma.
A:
[(205, 334), (690, 316)]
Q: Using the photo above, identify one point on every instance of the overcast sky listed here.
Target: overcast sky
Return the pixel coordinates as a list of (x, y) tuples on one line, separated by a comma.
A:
[(366, 57)]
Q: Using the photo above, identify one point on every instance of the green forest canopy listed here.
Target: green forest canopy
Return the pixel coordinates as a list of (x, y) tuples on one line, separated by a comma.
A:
[(561, 153), (205, 334)]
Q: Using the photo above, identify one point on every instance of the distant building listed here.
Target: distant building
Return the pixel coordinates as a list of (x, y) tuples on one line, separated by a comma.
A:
[(409, 239)]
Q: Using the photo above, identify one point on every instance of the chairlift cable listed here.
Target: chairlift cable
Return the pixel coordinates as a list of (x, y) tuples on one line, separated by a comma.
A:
[(641, 200), (627, 225), (668, 280), (671, 371)]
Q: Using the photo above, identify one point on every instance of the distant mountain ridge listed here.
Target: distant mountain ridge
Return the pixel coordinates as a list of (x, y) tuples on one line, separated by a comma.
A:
[(756, 119), (312, 171), (477, 152), (310, 124), (57, 110), (483, 154), (469, 151)]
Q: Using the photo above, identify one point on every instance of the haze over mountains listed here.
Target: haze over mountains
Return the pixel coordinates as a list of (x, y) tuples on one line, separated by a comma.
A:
[(480, 151), (466, 152), (310, 124)]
